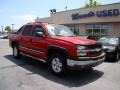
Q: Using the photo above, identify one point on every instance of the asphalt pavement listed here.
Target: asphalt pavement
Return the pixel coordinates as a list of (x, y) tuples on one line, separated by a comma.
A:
[(30, 74)]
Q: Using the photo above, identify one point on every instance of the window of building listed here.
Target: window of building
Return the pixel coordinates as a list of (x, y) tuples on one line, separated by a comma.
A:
[(27, 30), (97, 30), (75, 28)]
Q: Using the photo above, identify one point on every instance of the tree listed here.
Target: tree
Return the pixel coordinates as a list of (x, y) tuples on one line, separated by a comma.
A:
[(92, 3), (8, 29)]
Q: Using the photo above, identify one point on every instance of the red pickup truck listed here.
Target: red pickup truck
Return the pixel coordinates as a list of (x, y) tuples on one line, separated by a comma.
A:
[(57, 46)]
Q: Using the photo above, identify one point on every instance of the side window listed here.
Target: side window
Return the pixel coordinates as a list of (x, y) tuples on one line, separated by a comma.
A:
[(19, 30), (119, 40), (37, 29), (27, 30)]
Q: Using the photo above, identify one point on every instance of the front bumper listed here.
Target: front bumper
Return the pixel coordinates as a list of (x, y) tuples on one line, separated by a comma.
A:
[(110, 53), (85, 62)]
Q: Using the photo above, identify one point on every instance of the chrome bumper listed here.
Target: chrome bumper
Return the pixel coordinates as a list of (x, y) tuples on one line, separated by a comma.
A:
[(86, 61)]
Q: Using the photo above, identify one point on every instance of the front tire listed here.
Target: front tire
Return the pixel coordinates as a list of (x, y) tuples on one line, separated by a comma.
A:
[(58, 64), (117, 56), (16, 52), (89, 69)]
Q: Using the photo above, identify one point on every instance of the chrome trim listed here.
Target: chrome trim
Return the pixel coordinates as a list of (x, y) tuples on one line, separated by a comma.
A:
[(57, 46), (100, 59), (33, 57), (31, 49), (95, 50), (84, 63), (91, 50), (102, 55)]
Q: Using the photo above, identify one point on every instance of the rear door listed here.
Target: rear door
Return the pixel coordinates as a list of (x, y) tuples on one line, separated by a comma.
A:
[(25, 39)]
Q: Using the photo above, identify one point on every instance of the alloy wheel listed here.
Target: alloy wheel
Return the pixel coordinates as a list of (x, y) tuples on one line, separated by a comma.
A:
[(56, 65), (15, 51)]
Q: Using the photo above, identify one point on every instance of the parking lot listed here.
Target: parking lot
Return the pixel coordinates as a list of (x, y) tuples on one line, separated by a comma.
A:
[(30, 74)]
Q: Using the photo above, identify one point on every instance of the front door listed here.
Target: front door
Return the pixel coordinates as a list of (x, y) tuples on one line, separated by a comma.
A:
[(38, 44)]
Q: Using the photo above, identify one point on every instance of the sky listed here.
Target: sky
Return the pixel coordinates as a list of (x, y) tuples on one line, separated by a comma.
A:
[(19, 12)]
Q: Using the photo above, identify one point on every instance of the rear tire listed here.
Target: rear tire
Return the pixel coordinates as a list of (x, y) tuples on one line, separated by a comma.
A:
[(16, 52), (58, 64)]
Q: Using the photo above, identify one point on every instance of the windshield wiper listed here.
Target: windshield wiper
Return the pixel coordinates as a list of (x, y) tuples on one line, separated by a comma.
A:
[(70, 36), (59, 35), (64, 35)]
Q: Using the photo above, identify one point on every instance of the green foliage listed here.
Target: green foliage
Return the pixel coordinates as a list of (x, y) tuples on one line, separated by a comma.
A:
[(8, 29), (92, 3)]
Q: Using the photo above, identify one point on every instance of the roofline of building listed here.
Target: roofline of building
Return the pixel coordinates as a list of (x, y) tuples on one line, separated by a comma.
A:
[(87, 8), (44, 17)]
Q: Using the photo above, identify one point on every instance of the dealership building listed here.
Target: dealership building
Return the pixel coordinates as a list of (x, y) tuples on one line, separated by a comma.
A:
[(103, 20)]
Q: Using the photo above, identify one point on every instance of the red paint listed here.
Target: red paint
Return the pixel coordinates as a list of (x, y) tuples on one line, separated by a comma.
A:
[(41, 44)]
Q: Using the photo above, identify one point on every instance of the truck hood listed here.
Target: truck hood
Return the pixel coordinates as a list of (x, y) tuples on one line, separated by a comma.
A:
[(76, 40)]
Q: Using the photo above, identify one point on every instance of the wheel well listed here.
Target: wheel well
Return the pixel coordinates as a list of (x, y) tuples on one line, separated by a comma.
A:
[(56, 51)]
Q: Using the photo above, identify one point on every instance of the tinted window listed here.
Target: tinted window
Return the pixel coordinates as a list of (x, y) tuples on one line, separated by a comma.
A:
[(97, 30), (19, 30), (109, 40), (37, 29), (27, 30), (119, 40)]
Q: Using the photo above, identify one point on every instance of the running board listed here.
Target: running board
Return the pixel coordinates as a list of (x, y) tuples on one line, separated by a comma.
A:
[(33, 57)]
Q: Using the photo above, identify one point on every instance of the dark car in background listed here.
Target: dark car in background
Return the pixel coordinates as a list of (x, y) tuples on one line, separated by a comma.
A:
[(92, 37), (111, 46)]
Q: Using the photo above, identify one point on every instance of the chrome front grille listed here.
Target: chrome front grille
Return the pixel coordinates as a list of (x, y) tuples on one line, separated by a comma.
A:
[(94, 49)]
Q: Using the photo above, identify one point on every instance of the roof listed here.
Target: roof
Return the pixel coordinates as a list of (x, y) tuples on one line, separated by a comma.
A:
[(31, 23)]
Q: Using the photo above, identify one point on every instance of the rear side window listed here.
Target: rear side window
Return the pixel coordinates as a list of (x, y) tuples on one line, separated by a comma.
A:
[(27, 30)]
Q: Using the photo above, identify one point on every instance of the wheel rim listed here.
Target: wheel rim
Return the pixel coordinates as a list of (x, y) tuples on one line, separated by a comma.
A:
[(56, 65), (117, 56), (15, 52)]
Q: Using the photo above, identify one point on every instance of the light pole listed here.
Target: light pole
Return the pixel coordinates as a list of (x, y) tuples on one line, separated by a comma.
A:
[(12, 26), (2, 29)]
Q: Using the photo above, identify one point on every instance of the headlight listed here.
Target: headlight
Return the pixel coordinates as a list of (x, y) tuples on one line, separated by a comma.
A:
[(80, 47), (113, 48), (80, 50), (105, 47), (109, 47)]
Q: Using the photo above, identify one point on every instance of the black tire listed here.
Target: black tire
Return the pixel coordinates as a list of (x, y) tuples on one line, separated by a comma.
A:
[(89, 69), (54, 65), (117, 56), (16, 52)]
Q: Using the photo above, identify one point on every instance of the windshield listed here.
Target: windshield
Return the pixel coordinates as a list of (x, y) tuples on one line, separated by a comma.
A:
[(107, 40), (59, 30)]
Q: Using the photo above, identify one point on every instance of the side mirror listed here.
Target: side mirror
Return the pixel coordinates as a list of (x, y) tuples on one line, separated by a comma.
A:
[(40, 34)]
